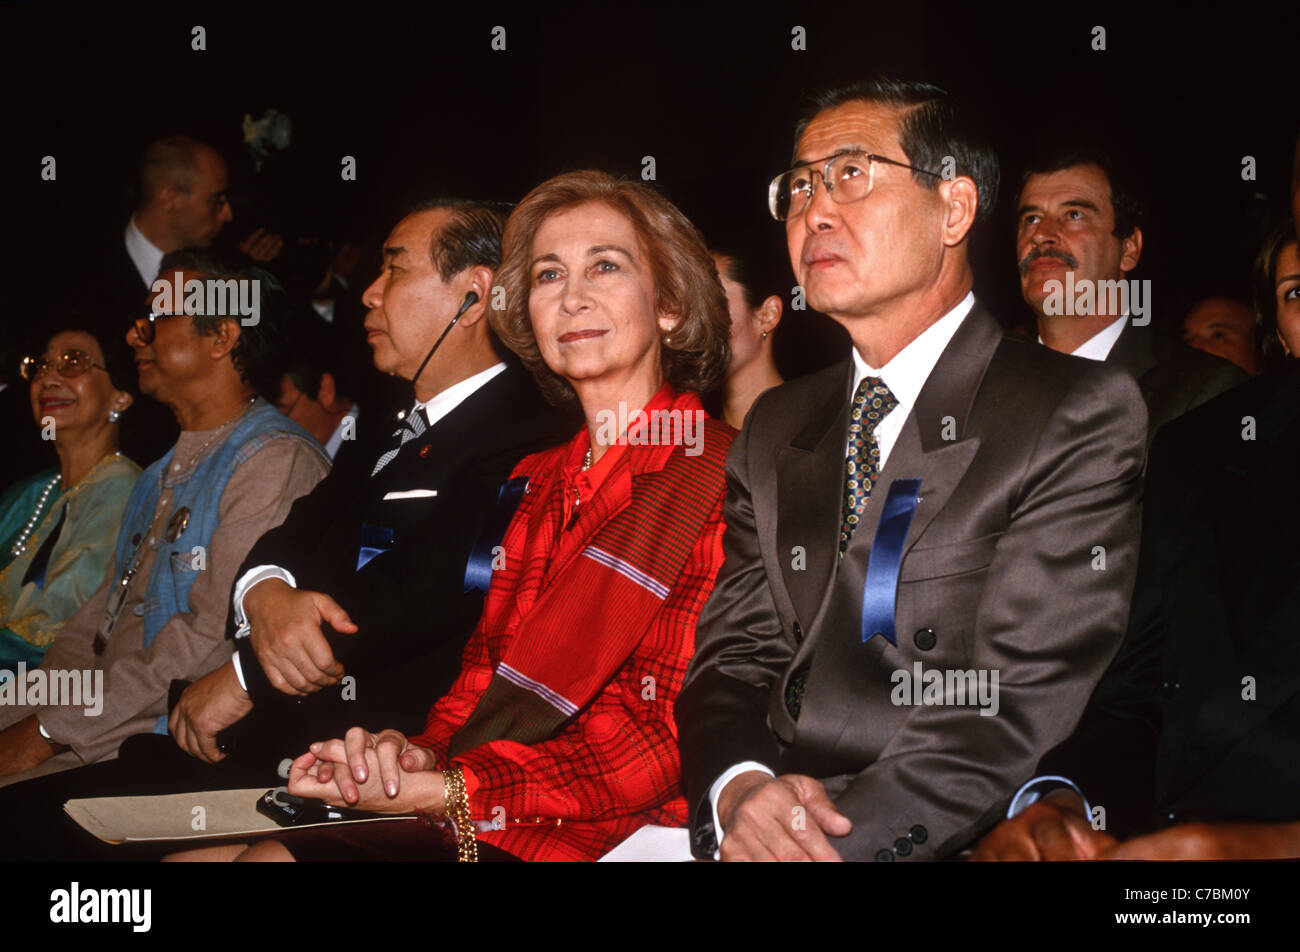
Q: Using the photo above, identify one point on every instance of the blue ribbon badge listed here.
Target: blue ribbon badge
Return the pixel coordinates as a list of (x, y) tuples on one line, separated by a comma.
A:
[(478, 570), (880, 592)]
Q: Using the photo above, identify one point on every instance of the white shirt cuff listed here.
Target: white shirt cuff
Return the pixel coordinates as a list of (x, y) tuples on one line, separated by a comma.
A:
[(258, 573), (1037, 788), (239, 671), (715, 791)]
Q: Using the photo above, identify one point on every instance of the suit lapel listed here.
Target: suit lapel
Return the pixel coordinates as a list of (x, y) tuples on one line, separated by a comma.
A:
[(934, 446), (809, 484), (1134, 351)]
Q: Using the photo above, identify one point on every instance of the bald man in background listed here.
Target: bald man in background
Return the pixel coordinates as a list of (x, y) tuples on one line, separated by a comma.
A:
[(1224, 327), (179, 195)]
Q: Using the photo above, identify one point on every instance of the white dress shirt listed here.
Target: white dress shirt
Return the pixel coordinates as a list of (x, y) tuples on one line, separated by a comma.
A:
[(905, 374), (1098, 346), (435, 408), (336, 438), (144, 255)]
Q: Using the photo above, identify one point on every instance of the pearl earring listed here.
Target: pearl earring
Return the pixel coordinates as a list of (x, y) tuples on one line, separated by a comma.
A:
[(114, 415), (764, 335)]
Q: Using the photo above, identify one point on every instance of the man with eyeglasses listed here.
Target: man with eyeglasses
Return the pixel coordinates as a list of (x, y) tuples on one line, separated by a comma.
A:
[(930, 546), (356, 609), (160, 615)]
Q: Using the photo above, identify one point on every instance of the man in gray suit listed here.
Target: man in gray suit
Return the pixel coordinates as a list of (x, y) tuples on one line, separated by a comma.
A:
[(930, 546), (1078, 240)]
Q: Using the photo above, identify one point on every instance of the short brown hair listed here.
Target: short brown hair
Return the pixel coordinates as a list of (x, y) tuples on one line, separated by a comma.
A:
[(695, 355)]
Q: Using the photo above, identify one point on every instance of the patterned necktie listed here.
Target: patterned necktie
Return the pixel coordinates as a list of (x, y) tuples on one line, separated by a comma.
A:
[(871, 403), (412, 425)]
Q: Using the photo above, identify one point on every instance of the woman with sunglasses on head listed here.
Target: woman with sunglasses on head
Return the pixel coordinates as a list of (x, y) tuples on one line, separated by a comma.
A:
[(57, 528)]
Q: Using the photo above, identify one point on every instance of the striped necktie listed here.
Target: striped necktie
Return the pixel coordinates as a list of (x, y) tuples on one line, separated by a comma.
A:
[(411, 426)]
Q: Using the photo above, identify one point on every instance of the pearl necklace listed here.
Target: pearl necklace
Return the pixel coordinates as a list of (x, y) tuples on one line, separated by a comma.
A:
[(20, 545)]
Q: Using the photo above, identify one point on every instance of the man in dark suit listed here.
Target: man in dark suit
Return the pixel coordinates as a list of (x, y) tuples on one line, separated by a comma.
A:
[(929, 548), (178, 201), (1187, 748), (358, 604), (356, 609), (1078, 237)]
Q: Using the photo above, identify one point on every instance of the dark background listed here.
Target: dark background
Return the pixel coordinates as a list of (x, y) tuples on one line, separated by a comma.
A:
[(425, 105)]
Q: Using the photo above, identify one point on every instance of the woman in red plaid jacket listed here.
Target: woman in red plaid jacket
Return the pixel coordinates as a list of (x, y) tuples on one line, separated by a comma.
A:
[(557, 740)]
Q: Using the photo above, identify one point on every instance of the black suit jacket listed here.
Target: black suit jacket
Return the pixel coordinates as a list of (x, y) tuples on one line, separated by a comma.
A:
[(1175, 732), (148, 429), (1173, 377), (1029, 460), (409, 603)]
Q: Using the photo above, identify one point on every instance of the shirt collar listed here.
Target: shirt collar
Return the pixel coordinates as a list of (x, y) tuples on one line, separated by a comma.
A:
[(1098, 346), (440, 404), (905, 374), (143, 254)]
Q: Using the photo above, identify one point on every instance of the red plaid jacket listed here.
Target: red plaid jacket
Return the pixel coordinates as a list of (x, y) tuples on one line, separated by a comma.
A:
[(612, 766)]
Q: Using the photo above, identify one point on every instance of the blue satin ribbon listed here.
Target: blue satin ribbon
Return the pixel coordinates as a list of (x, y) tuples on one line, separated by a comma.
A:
[(375, 540), (880, 591), (478, 570)]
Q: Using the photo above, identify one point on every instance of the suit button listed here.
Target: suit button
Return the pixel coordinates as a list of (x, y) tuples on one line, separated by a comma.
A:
[(798, 632), (1170, 688), (903, 846), (919, 834), (924, 639), (884, 856)]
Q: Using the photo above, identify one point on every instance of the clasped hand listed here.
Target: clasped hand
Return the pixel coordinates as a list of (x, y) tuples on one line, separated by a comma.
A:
[(382, 773), (786, 818), (286, 634)]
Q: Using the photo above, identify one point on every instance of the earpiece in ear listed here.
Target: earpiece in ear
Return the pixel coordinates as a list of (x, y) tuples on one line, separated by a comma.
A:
[(470, 300)]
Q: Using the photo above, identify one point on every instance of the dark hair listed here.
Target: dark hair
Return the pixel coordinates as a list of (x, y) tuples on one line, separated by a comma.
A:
[(167, 161), (471, 238), (695, 355), (108, 333), (319, 349), (933, 128), (256, 355), (1128, 208), (1265, 293), (761, 268)]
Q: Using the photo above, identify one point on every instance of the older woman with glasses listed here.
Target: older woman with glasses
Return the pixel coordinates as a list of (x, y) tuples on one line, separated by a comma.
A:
[(557, 740), (57, 528)]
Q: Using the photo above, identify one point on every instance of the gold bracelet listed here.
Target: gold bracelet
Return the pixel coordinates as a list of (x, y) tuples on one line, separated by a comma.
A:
[(456, 809)]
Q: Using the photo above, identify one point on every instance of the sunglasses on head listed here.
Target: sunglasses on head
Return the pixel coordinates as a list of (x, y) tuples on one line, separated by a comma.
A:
[(71, 363)]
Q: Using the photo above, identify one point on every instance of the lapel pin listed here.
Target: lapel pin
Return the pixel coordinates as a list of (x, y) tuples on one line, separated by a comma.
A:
[(176, 525)]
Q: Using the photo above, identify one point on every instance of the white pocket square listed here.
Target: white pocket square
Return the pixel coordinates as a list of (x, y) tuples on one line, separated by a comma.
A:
[(411, 494)]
